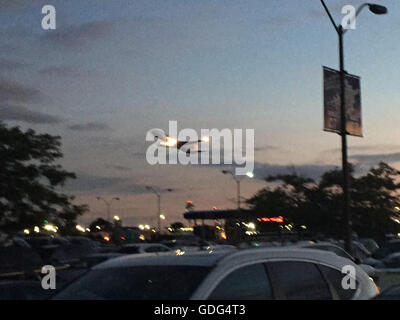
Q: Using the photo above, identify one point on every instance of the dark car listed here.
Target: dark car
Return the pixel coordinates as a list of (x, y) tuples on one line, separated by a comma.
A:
[(393, 293), (388, 248)]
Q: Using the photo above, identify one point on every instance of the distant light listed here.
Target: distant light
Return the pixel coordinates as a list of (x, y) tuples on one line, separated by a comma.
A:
[(80, 228), (106, 238), (162, 217), (50, 227), (141, 227), (116, 218), (250, 175), (123, 238), (36, 229), (223, 235), (251, 225), (147, 227), (303, 227), (26, 231), (87, 229), (98, 227), (142, 237)]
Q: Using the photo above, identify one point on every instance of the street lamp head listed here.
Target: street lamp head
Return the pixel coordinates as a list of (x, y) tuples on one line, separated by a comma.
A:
[(377, 9)]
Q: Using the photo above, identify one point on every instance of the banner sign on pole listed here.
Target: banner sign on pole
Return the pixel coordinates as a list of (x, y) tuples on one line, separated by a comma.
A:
[(332, 102)]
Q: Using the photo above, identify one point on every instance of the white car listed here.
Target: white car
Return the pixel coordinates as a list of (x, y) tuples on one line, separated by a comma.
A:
[(133, 248), (253, 274)]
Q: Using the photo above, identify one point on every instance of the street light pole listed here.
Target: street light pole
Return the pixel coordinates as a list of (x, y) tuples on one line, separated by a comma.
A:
[(158, 194), (376, 9), (108, 206)]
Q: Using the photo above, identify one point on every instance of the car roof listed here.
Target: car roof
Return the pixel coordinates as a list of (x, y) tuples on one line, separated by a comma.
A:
[(145, 245), (208, 258)]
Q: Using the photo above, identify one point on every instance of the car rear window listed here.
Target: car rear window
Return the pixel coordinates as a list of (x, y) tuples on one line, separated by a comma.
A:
[(137, 283), (294, 280)]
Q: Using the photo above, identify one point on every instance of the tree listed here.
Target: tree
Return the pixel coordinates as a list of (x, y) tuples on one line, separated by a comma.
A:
[(29, 178), (318, 204)]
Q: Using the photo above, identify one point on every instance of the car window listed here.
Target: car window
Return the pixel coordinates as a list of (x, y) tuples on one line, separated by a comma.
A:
[(335, 277), (247, 283), (171, 282), (294, 280)]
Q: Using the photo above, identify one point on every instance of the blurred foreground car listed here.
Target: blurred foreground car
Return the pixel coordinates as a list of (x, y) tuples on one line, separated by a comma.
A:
[(392, 293), (252, 274), (23, 290)]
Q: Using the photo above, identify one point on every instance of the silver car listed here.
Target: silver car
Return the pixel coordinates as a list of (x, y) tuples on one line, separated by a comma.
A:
[(251, 274)]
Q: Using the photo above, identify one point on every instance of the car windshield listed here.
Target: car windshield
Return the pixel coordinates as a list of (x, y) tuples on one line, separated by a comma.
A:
[(137, 283)]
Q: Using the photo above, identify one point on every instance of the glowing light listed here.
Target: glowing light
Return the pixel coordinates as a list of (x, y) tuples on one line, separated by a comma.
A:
[(87, 229), (36, 229), (223, 235), (251, 225), (250, 175), (147, 227), (116, 218), (278, 219), (26, 231), (169, 142), (205, 139), (106, 238), (141, 227), (162, 217), (179, 252), (80, 228), (50, 227), (98, 227), (303, 227), (142, 237)]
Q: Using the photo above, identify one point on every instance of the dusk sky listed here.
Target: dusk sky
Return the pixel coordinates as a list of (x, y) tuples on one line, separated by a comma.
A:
[(112, 70)]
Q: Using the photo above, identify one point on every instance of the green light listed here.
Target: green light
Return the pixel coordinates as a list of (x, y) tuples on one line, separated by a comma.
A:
[(46, 221)]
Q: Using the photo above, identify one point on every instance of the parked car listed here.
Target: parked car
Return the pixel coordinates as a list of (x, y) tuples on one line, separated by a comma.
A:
[(392, 261), (134, 248), (327, 246), (388, 248), (250, 274), (393, 293)]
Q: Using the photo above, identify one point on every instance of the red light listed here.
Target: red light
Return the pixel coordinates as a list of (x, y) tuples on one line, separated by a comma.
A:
[(277, 219), (190, 202), (123, 238)]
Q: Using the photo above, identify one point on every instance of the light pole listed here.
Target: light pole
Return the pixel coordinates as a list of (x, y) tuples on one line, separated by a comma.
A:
[(376, 9), (237, 180), (158, 194), (108, 205)]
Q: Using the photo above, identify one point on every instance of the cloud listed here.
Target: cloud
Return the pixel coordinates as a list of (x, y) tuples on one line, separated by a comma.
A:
[(263, 170), (13, 92), (64, 71), (88, 183), (20, 113), (74, 37), (14, 96), (90, 126), (376, 158), (11, 65), (116, 167)]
